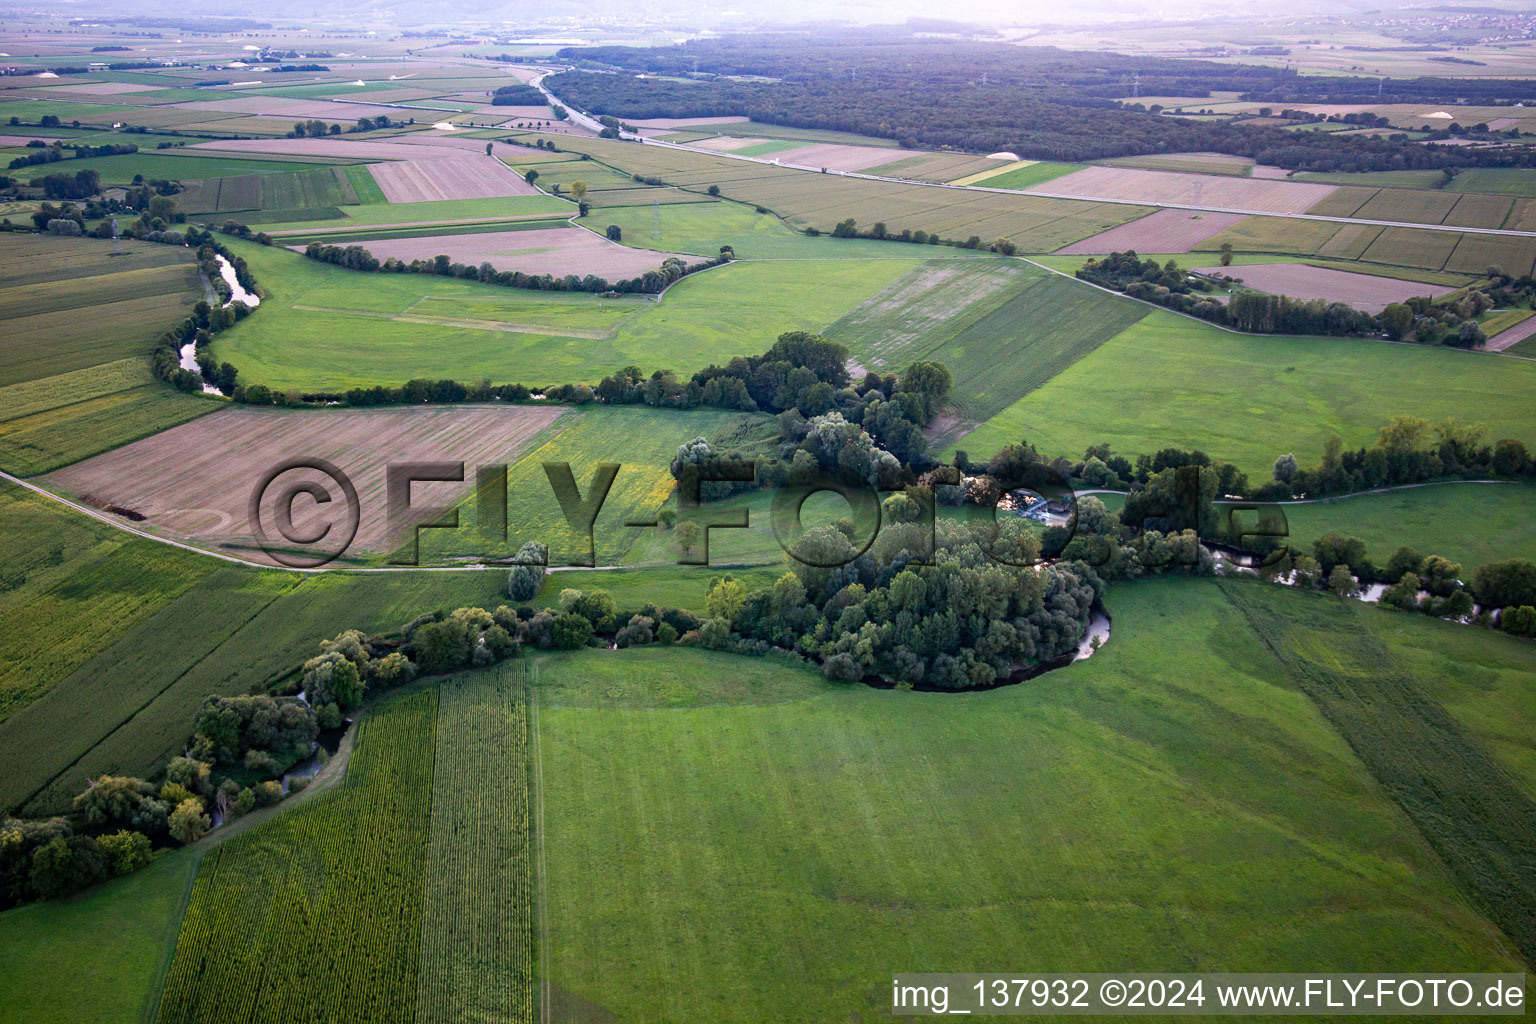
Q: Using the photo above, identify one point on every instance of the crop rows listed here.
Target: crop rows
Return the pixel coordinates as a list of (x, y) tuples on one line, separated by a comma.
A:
[(1474, 815), (477, 936), (315, 915)]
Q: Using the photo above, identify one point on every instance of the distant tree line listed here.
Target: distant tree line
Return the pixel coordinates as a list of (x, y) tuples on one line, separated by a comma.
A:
[(1039, 102), (47, 153)]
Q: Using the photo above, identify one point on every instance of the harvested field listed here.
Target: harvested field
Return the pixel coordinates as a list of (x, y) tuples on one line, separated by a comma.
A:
[(838, 157), (1163, 231), (1412, 205), (459, 178), (1363, 291), (278, 106), (556, 251), (727, 143), (1344, 201), (1512, 336), (683, 122), (102, 89), (1194, 163), (1411, 247), (1272, 234), (1350, 242), (1474, 254), (1479, 211), (937, 166), (1193, 189), (194, 481), (529, 113), (7, 141), (347, 149)]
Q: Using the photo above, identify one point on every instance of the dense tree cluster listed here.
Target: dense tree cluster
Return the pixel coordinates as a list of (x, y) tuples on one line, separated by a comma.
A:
[(517, 96), (1039, 102), (1408, 450)]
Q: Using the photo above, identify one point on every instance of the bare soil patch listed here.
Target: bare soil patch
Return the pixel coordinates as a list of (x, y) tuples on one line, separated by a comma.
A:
[(183, 478), (1163, 231), (358, 149), (1189, 189), (557, 251), (409, 181), (1363, 291), (1512, 336), (281, 106), (104, 88)]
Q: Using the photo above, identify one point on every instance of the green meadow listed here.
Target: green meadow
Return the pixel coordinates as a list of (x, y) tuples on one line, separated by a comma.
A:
[(1111, 815), (374, 212), (1169, 381), (1464, 522), (113, 942), (702, 228), (323, 327)]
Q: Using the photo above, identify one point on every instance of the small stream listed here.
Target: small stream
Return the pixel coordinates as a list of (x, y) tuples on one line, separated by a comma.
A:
[(237, 293)]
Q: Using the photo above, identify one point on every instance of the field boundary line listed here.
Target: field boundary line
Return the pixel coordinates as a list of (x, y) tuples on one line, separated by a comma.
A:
[(542, 889), (151, 1011)]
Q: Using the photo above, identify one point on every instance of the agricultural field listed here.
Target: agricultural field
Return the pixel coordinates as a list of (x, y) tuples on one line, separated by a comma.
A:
[(1162, 231), (1035, 172), (1231, 775), (1188, 163), (878, 877), (406, 181), (1247, 400), (1002, 327), (49, 327), (1413, 248), (639, 439), (1467, 523), (447, 211), (556, 251), (306, 334), (1362, 291), (476, 960), (115, 941), (194, 482), (1247, 194), (445, 862), (74, 371), (167, 665), (352, 863), (72, 586), (804, 199), (1480, 821), (702, 228)]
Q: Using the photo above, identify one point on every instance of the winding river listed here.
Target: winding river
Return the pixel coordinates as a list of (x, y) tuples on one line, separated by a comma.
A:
[(237, 293)]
